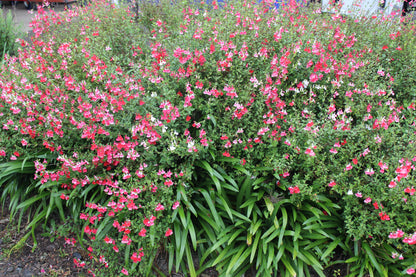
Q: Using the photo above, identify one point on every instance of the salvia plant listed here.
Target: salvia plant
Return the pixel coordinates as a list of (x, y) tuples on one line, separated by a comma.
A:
[(231, 135)]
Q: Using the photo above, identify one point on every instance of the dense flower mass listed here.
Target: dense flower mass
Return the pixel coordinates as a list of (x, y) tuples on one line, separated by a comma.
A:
[(117, 109)]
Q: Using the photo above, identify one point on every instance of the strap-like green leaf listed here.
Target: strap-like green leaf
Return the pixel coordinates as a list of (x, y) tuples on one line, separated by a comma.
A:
[(331, 247), (254, 246), (373, 259)]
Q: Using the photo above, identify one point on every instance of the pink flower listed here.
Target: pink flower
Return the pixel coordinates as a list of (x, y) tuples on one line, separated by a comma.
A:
[(168, 183), (395, 235), (125, 272), (168, 232), (392, 184), (175, 205), (384, 216), (410, 240), (367, 200), (159, 207), (409, 190), (149, 222), (310, 152), (142, 232), (332, 184), (126, 240), (369, 172), (410, 271), (348, 167), (294, 190), (333, 150), (313, 78), (137, 257)]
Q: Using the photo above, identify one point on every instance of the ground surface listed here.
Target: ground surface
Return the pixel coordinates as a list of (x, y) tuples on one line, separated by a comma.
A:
[(51, 257), (23, 17)]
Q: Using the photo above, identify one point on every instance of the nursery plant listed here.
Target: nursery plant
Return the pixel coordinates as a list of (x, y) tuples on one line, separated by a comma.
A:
[(236, 136)]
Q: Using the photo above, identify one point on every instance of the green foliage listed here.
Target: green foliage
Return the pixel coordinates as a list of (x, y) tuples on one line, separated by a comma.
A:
[(235, 221), (28, 196), (8, 35)]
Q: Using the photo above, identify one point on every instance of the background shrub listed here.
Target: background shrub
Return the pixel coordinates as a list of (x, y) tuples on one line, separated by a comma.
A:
[(8, 35)]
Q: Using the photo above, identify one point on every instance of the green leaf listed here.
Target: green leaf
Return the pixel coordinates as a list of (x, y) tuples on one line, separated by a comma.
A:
[(203, 214), (253, 228), (190, 261), (182, 217), (212, 208), (226, 252), (268, 232), (352, 260), (127, 254), (330, 248), (283, 228), (238, 260), (212, 118), (269, 205), (171, 251), (36, 219), (32, 200), (192, 233), (104, 226), (298, 228), (226, 207), (234, 185), (219, 243), (234, 235), (288, 266), (373, 259), (245, 190), (254, 247), (310, 258), (270, 256), (273, 235), (242, 169), (208, 230), (243, 217), (321, 226), (279, 254)]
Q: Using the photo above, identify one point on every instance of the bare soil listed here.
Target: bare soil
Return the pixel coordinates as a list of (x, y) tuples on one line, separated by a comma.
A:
[(51, 257)]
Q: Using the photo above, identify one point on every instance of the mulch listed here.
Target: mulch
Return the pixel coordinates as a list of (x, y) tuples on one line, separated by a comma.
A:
[(51, 257)]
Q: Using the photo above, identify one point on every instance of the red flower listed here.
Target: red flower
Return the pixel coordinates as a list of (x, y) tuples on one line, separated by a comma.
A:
[(294, 190), (142, 232), (384, 216), (137, 257), (168, 232)]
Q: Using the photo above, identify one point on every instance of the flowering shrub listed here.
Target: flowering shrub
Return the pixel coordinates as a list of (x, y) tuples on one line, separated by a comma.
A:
[(311, 104)]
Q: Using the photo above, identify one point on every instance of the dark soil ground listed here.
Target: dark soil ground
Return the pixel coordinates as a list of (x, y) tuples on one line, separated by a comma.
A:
[(51, 257)]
